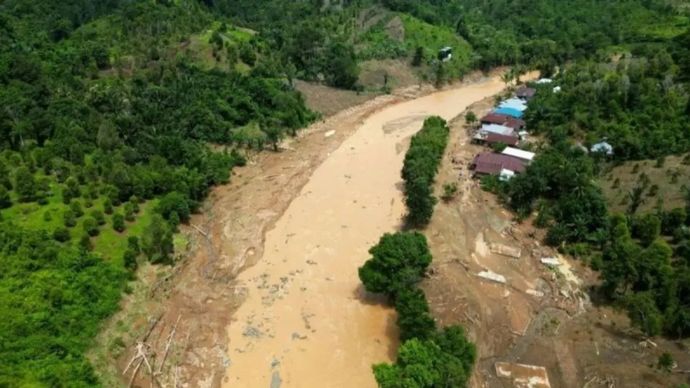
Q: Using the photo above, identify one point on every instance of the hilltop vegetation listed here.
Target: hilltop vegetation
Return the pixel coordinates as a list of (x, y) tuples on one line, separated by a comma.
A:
[(116, 118)]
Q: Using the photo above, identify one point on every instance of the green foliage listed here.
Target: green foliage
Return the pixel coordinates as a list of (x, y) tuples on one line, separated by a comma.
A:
[(398, 262), (90, 226), (443, 361), (118, 222), (5, 199), (174, 203), (647, 228), (665, 362), (449, 191), (414, 318), (24, 184), (52, 300), (157, 242), (419, 169)]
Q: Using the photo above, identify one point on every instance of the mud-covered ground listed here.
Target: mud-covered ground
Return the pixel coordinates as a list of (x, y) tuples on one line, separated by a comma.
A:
[(541, 316)]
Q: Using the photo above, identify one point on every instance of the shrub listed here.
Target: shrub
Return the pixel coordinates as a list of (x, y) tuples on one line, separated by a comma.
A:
[(118, 222), (5, 200), (398, 262), (98, 216), (68, 218), (107, 206), (414, 319), (174, 202), (419, 168), (75, 206), (85, 242), (449, 191), (90, 226), (61, 235)]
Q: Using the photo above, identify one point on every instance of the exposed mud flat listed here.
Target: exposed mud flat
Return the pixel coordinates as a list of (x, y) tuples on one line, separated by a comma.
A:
[(305, 321)]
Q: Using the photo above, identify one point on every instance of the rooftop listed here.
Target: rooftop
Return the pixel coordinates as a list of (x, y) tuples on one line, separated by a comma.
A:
[(491, 163), (518, 153)]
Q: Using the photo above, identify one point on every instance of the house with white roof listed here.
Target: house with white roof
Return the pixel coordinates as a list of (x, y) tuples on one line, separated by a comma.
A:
[(497, 129), (523, 155)]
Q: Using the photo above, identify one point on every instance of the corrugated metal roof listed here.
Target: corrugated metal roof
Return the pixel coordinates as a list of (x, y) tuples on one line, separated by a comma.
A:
[(505, 139), (518, 153), (495, 118), (525, 92), (514, 103), (495, 128), (490, 163), (509, 112)]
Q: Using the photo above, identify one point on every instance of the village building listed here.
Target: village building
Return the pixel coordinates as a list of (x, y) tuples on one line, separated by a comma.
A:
[(497, 129), (602, 148), (523, 155), (495, 138), (489, 163), (514, 103), (509, 112), (525, 93)]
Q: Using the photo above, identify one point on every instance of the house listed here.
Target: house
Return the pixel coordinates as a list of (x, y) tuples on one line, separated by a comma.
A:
[(505, 120), (514, 103), (493, 138), (497, 129), (523, 155), (525, 93), (603, 148), (445, 54), (516, 124), (494, 118), (489, 163), (506, 175), (509, 112), (508, 140)]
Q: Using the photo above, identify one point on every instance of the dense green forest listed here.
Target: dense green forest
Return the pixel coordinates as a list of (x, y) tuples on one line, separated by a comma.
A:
[(116, 117)]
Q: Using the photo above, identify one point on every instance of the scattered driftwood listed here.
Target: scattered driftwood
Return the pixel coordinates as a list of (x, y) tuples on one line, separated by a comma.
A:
[(169, 342), (488, 275), (198, 229), (143, 353), (141, 356), (505, 250)]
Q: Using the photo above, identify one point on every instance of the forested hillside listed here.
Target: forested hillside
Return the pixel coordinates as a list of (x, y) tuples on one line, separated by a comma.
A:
[(116, 117)]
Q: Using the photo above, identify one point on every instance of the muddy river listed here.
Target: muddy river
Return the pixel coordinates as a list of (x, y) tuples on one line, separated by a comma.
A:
[(306, 321)]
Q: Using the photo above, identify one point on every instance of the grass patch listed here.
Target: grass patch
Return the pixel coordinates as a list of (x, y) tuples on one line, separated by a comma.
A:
[(666, 180)]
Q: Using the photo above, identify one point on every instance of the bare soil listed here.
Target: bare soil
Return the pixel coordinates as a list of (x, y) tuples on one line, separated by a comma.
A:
[(541, 316)]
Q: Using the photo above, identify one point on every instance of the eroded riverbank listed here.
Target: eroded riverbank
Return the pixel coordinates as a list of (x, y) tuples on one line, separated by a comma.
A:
[(305, 320)]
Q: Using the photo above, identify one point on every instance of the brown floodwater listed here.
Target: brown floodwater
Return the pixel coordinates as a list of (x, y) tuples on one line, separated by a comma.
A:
[(306, 321)]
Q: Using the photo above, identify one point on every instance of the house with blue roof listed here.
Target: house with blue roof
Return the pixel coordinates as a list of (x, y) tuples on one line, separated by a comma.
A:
[(512, 112)]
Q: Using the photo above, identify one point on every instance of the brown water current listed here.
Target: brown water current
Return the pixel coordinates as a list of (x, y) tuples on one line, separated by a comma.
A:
[(306, 321)]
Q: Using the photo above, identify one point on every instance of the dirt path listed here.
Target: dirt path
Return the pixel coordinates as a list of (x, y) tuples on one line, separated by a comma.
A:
[(305, 321)]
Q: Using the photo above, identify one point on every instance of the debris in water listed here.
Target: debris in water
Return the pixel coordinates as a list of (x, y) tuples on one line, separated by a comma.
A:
[(297, 335), (251, 331), (275, 380)]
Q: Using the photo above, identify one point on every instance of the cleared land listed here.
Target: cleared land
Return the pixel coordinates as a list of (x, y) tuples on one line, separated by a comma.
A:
[(665, 183)]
